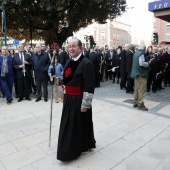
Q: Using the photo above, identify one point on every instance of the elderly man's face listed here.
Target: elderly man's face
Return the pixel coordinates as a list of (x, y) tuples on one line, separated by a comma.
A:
[(4, 50), (38, 48), (20, 48), (74, 49)]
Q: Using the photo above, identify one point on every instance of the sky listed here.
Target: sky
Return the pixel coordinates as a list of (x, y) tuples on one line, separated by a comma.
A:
[(139, 18), (139, 12)]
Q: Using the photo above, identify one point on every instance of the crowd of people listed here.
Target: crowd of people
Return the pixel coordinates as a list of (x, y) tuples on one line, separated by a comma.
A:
[(77, 71), (153, 68), (29, 69)]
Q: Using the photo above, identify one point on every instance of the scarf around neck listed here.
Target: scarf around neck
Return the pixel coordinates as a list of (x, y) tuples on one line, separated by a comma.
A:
[(4, 68)]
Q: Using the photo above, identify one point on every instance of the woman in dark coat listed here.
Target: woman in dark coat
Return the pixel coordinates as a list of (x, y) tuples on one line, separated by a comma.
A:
[(116, 63)]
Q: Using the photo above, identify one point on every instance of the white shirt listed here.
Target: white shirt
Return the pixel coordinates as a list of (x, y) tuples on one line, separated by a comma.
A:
[(21, 56), (142, 61), (76, 58)]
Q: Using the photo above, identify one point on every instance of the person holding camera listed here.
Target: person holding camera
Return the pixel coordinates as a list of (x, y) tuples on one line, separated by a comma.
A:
[(57, 77), (154, 68)]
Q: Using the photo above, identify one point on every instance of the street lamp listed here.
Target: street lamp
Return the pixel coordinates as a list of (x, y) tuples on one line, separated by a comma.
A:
[(129, 17), (86, 39), (4, 25)]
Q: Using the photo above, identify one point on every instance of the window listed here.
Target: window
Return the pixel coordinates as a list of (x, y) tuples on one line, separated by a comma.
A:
[(103, 35), (114, 35), (167, 36), (118, 36), (167, 26)]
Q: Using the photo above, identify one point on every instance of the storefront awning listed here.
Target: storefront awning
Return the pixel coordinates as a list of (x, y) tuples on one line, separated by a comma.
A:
[(161, 9)]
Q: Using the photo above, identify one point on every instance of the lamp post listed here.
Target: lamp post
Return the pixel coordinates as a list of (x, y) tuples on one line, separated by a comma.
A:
[(4, 25), (30, 30), (129, 17)]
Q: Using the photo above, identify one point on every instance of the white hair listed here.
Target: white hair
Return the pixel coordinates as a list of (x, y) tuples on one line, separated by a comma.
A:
[(142, 47)]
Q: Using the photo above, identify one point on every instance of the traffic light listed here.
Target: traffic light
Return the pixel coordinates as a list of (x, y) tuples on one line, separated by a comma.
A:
[(155, 38), (92, 43)]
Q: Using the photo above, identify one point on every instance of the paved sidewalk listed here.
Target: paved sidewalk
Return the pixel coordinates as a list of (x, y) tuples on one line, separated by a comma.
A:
[(127, 138)]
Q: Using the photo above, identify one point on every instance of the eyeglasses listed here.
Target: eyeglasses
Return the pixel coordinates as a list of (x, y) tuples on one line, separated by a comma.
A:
[(73, 46)]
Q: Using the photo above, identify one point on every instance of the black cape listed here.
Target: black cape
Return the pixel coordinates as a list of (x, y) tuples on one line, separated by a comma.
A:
[(76, 128)]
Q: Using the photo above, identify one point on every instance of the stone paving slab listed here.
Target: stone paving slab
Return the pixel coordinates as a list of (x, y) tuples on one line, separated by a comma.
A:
[(165, 110), (127, 138), (22, 158)]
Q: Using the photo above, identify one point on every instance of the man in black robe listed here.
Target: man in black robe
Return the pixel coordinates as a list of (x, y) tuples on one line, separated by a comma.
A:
[(76, 128)]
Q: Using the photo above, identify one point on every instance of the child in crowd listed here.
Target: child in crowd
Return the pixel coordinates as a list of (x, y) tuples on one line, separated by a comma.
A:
[(58, 78)]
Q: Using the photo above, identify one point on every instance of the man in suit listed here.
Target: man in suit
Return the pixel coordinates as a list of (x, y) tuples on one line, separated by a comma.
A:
[(109, 57), (84, 51), (48, 50), (22, 65), (167, 69), (64, 56), (123, 74), (28, 50), (6, 74), (154, 68), (41, 62), (30, 53), (129, 60), (94, 57), (102, 64)]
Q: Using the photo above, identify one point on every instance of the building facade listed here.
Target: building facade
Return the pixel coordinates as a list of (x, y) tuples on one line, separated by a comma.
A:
[(163, 29), (113, 34), (161, 10)]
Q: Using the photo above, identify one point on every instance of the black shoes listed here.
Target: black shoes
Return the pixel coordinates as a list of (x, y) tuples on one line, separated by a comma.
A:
[(9, 101), (122, 88), (113, 80), (16, 96), (129, 92), (160, 88), (28, 98), (45, 99), (38, 99), (19, 100)]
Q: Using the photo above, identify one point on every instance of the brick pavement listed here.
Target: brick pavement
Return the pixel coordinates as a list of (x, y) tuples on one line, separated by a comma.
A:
[(127, 138)]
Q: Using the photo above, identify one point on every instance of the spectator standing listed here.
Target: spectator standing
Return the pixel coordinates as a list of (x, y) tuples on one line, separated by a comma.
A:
[(41, 62), (139, 73), (22, 64), (57, 78), (6, 74)]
